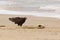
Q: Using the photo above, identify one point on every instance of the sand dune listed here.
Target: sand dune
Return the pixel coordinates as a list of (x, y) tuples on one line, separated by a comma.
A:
[(13, 32)]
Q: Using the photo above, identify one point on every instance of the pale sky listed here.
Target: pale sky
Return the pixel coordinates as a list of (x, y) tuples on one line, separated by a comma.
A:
[(44, 8)]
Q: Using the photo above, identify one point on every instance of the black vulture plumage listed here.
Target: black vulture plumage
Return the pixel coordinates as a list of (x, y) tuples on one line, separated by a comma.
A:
[(18, 20)]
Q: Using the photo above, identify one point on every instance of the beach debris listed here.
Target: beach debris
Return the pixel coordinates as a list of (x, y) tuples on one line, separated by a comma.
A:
[(18, 20), (41, 26), (31, 27), (2, 25)]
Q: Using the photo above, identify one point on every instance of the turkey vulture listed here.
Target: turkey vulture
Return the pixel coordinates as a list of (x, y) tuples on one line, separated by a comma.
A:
[(18, 20)]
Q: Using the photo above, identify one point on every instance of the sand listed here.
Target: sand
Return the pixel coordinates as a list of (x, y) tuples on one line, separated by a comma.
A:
[(11, 31)]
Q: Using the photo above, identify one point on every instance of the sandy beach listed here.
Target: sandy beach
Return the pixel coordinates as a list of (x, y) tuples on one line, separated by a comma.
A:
[(12, 31)]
